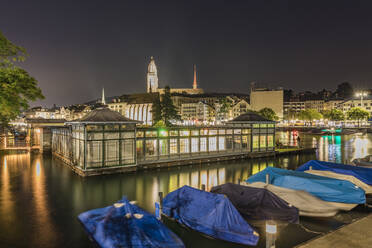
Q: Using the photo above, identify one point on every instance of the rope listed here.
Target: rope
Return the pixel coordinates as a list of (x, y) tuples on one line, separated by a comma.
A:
[(308, 230)]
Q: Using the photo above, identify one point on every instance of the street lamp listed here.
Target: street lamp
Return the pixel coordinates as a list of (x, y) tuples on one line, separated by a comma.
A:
[(361, 94)]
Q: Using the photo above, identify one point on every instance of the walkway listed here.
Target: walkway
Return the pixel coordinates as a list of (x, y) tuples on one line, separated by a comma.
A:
[(355, 235)]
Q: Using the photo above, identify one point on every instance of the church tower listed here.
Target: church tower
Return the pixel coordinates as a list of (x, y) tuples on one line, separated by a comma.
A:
[(152, 77), (194, 84), (103, 100)]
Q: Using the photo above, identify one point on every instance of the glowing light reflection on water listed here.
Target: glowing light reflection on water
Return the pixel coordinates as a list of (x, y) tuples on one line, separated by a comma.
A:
[(40, 197)]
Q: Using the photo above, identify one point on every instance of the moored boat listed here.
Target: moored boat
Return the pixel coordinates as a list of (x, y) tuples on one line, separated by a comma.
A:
[(126, 225), (258, 204), (361, 173), (367, 188), (210, 214), (307, 204), (327, 189)]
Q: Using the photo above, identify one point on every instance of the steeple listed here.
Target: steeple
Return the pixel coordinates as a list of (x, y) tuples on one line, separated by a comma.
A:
[(152, 76), (194, 84), (103, 100)]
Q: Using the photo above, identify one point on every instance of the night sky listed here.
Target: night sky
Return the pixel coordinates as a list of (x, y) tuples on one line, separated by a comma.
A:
[(77, 47)]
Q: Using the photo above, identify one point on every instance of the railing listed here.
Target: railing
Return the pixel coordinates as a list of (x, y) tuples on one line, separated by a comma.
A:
[(9, 142)]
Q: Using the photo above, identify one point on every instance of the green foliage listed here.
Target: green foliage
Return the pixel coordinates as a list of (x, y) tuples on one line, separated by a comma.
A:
[(156, 109), (160, 123), (164, 110), (310, 115), (291, 115), (17, 87), (9, 51), (357, 114), (334, 115), (225, 105), (269, 114)]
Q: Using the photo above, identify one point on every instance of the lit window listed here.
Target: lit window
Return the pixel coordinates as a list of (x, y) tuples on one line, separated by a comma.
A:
[(245, 142), (151, 133), (194, 144), (195, 133), (163, 147), (212, 144), (237, 131), (262, 141), (173, 146), (184, 146), (184, 133), (270, 141), (255, 142), (163, 133), (203, 144), (151, 149), (213, 132), (221, 143), (173, 133)]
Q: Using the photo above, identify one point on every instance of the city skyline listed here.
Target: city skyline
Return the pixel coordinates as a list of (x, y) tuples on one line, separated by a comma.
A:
[(75, 49)]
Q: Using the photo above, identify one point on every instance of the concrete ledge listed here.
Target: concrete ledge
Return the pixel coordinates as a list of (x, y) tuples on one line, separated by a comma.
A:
[(296, 151), (355, 235)]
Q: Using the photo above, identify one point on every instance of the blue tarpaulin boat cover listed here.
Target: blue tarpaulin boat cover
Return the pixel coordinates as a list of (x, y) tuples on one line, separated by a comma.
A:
[(327, 189), (208, 213), (362, 173), (127, 225), (257, 203)]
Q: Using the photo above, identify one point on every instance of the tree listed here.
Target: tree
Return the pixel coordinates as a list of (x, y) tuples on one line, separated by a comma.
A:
[(344, 90), (269, 114), (310, 115), (17, 87), (169, 111), (334, 115), (156, 109), (357, 114), (291, 115), (225, 105)]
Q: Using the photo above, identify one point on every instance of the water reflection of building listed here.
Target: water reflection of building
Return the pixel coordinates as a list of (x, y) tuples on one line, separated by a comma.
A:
[(330, 148)]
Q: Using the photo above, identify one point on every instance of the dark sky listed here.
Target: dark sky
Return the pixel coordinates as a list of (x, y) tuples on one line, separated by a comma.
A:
[(77, 47)]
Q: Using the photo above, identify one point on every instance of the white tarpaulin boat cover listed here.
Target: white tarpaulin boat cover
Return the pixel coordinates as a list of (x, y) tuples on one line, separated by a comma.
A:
[(367, 188), (307, 204)]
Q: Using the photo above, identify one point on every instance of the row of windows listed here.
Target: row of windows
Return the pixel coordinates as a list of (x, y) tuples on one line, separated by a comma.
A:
[(157, 148)]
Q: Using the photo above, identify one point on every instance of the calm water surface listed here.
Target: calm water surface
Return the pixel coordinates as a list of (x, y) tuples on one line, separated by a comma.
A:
[(40, 197)]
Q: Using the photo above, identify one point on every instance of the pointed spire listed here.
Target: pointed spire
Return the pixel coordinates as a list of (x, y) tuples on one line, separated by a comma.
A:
[(194, 84), (103, 100)]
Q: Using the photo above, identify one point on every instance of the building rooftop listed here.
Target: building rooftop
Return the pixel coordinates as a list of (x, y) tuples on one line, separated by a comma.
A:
[(105, 115), (43, 120), (250, 116)]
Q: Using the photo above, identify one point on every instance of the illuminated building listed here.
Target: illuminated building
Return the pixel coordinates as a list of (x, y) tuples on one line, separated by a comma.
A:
[(106, 142)]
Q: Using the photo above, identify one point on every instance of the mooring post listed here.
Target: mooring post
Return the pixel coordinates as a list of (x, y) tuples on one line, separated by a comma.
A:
[(203, 187), (267, 179), (270, 234), (160, 206), (311, 168), (239, 180)]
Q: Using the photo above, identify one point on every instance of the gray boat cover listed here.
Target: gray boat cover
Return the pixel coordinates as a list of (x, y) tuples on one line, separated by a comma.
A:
[(258, 203), (307, 204)]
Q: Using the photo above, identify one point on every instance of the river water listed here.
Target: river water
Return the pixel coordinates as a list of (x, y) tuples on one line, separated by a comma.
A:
[(40, 197)]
